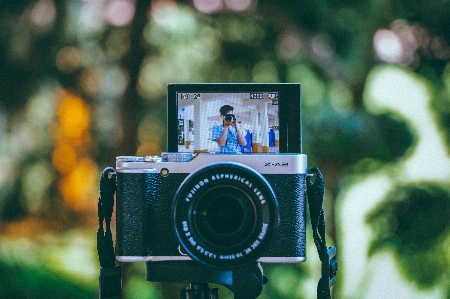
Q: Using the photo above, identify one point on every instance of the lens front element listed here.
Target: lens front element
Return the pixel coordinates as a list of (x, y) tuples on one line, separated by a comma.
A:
[(225, 215)]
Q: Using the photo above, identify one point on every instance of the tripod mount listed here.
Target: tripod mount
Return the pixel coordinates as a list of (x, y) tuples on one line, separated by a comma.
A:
[(245, 282)]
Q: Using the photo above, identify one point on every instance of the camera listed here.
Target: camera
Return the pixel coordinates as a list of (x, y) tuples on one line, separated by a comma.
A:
[(221, 208), (229, 117)]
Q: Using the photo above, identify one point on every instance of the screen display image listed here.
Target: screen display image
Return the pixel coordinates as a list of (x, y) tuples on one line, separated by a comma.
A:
[(234, 118), (228, 123)]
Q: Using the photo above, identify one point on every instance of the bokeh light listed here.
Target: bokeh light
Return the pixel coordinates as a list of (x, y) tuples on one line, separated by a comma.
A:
[(90, 80), (80, 185), (401, 43), (150, 135), (341, 97), (119, 12), (440, 48), (179, 22), (91, 17), (115, 81), (214, 6), (43, 13), (289, 45), (388, 46), (208, 6), (36, 183), (238, 5), (265, 71), (64, 157), (71, 154), (68, 59), (73, 116), (321, 45)]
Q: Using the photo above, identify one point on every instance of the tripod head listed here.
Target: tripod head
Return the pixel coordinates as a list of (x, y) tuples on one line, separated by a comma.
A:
[(245, 282)]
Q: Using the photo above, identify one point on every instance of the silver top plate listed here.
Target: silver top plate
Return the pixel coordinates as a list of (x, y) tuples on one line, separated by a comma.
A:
[(263, 163)]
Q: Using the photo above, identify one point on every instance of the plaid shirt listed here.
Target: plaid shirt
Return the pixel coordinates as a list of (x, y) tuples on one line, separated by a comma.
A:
[(232, 144)]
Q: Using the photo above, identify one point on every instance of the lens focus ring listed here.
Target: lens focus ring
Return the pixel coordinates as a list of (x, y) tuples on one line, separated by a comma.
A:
[(225, 215)]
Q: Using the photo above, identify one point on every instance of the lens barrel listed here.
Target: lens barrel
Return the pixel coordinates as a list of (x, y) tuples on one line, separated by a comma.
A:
[(225, 214)]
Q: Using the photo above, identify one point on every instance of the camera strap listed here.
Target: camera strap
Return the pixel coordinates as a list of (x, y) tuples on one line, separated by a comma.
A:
[(315, 193), (110, 274)]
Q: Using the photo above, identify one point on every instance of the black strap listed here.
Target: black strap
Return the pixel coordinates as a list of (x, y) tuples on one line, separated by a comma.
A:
[(315, 192), (110, 274)]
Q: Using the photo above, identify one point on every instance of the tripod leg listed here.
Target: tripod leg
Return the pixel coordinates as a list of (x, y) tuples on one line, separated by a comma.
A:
[(199, 291)]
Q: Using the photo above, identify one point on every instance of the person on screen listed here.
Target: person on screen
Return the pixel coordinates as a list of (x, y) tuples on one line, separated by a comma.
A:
[(228, 136)]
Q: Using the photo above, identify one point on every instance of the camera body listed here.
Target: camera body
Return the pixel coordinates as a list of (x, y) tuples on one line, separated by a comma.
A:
[(222, 210), (222, 204)]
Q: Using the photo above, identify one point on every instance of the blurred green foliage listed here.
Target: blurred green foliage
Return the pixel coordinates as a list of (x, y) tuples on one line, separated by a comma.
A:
[(413, 222), (82, 82)]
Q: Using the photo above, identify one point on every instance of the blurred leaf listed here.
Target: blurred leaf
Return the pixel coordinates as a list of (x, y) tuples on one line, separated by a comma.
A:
[(346, 138), (413, 222)]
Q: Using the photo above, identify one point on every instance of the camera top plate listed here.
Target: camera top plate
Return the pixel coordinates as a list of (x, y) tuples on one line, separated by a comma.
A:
[(263, 163)]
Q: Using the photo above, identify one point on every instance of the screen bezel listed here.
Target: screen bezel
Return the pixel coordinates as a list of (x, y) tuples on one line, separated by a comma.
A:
[(289, 109)]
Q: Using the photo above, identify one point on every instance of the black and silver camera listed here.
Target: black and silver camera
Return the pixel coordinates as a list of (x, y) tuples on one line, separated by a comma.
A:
[(229, 117), (218, 203), (223, 210)]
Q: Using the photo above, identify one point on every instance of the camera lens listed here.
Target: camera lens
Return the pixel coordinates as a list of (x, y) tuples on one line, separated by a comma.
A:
[(225, 215)]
